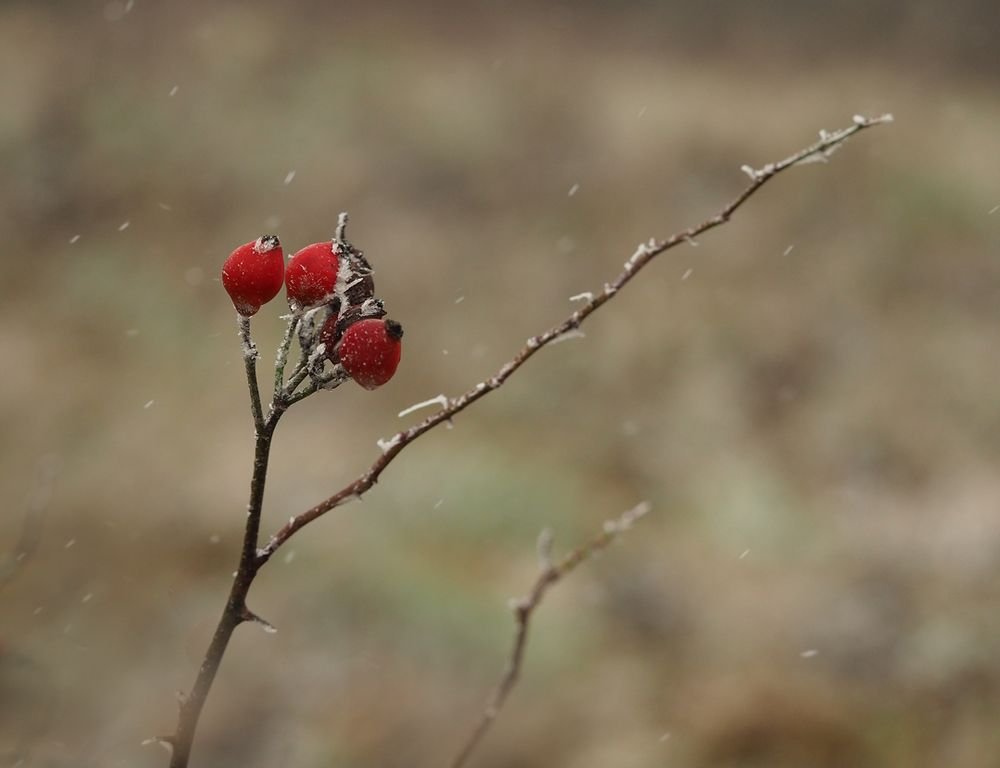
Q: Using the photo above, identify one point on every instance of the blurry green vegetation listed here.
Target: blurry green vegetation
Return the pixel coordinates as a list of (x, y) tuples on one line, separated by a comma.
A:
[(808, 398)]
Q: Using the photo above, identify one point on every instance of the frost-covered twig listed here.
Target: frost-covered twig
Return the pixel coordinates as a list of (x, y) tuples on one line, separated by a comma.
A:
[(252, 558), (523, 609), (281, 359), (250, 361), (635, 264)]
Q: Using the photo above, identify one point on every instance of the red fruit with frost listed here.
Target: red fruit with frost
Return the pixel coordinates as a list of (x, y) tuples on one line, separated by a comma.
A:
[(370, 351), (253, 274), (312, 274)]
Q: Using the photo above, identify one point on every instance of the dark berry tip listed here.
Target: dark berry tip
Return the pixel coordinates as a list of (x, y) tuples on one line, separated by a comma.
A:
[(394, 329), (266, 243)]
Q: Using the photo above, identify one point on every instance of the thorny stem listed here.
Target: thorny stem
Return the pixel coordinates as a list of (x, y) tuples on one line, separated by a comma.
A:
[(645, 253), (253, 559), (525, 607)]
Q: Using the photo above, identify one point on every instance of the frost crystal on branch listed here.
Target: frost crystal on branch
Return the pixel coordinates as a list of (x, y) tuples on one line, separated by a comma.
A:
[(439, 400)]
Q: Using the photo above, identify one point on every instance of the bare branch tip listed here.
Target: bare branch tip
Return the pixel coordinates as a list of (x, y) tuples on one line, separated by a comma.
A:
[(340, 234), (544, 546)]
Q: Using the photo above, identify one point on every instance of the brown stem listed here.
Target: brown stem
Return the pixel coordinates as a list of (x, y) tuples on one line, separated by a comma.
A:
[(252, 558), (235, 612), (643, 255), (250, 362)]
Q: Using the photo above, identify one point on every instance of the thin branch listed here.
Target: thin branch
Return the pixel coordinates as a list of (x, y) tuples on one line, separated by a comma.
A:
[(250, 361), (645, 253), (252, 558), (525, 607), (281, 359), (235, 612)]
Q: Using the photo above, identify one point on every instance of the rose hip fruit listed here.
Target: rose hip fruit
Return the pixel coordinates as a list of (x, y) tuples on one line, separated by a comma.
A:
[(253, 274), (370, 351), (312, 274)]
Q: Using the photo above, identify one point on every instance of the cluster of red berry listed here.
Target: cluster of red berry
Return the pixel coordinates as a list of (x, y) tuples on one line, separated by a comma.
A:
[(331, 289)]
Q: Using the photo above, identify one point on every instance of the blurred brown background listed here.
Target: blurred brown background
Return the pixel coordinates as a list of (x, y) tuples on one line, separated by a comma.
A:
[(813, 412)]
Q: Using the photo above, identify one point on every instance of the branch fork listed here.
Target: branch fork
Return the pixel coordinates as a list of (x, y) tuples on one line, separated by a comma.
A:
[(313, 366)]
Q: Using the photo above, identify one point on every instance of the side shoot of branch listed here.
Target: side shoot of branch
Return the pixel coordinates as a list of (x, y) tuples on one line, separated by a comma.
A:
[(644, 253), (253, 276), (524, 608)]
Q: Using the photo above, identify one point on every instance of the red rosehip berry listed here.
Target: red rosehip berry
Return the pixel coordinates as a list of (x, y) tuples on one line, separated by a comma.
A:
[(312, 274), (253, 274), (370, 351)]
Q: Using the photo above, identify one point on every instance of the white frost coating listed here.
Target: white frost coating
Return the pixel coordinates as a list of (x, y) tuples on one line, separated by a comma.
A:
[(155, 740), (687, 273), (289, 177), (628, 519), (76, 238), (641, 252), (439, 400), (573, 190), (585, 296), (859, 120), (544, 548), (749, 171), (173, 91), (388, 445), (148, 405), (123, 226), (317, 354), (248, 348), (532, 342), (819, 156), (572, 333), (515, 604)]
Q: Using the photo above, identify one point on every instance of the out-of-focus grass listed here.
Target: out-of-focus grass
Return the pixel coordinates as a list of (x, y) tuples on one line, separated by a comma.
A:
[(807, 398)]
